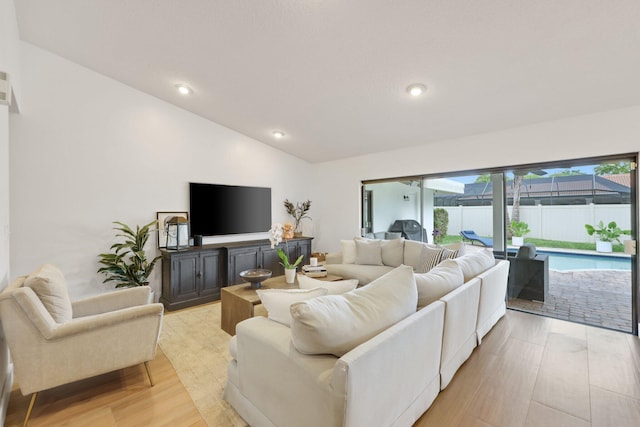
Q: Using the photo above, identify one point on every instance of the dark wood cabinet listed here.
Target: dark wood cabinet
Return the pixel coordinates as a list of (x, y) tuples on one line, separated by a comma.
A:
[(195, 275), (191, 277)]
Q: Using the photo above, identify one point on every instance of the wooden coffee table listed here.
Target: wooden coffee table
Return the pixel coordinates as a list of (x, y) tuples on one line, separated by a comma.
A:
[(239, 301)]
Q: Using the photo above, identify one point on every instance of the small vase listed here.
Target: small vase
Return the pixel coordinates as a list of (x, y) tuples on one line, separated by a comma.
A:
[(290, 275)]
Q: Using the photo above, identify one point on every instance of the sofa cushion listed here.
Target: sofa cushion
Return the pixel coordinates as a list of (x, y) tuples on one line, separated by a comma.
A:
[(413, 253), (348, 251), (336, 324), (364, 273), (475, 263), (438, 282), (336, 287), (368, 252), (48, 283), (393, 252), (278, 301)]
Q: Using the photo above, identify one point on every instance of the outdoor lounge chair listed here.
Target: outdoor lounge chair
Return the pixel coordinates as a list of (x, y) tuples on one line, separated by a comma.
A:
[(473, 237)]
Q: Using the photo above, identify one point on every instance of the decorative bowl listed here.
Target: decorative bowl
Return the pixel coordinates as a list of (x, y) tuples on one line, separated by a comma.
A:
[(255, 276)]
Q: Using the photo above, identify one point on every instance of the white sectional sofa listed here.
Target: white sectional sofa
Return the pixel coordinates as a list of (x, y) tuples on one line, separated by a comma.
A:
[(339, 364)]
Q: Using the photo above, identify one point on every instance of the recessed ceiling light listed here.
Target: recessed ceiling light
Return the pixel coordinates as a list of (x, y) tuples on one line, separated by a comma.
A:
[(277, 134), (184, 89), (416, 89)]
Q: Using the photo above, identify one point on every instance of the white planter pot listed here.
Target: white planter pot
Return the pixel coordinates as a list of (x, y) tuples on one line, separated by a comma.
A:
[(517, 241), (604, 246), (290, 275)]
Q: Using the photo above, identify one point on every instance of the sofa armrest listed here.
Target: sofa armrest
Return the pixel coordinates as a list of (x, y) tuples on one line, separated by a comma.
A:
[(286, 386), (116, 300), (493, 293), (333, 258), (377, 374)]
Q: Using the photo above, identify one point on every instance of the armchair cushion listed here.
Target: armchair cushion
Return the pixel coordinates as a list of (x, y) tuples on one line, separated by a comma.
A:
[(48, 283)]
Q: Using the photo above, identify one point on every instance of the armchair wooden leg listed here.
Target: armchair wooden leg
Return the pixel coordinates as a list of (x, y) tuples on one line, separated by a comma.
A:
[(31, 404), (146, 366)]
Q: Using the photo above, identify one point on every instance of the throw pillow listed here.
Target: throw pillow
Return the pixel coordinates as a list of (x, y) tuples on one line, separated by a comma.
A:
[(458, 247), (278, 301), (368, 252), (393, 252), (336, 324), (48, 283), (475, 263), (333, 288), (430, 257), (348, 251), (413, 253), (439, 281)]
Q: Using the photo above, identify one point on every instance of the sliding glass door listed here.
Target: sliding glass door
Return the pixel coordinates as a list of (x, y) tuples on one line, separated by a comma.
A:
[(543, 208)]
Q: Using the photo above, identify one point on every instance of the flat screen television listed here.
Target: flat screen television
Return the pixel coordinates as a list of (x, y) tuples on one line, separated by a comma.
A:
[(228, 209)]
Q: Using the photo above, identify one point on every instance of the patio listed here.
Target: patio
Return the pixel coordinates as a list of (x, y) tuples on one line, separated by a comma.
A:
[(592, 297)]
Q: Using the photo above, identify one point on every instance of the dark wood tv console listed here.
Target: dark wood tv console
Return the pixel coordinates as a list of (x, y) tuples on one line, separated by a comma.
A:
[(196, 275)]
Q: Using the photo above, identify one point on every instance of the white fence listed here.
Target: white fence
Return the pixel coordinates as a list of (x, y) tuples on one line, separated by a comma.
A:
[(562, 222)]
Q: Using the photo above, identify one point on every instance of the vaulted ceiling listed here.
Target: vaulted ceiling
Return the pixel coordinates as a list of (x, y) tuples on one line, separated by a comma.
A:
[(332, 75)]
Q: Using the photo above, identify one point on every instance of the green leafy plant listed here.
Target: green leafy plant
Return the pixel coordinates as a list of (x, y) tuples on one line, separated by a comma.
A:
[(519, 228), (298, 212), (275, 237), (440, 224), (606, 233), (127, 265)]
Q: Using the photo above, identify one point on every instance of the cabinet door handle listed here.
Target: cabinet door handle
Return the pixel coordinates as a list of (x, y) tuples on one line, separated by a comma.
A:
[(199, 275)]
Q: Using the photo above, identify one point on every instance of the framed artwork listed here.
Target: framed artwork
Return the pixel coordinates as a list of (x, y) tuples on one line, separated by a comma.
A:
[(162, 218)]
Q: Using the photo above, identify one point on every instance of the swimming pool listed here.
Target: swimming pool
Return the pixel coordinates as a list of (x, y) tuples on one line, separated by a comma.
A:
[(567, 261)]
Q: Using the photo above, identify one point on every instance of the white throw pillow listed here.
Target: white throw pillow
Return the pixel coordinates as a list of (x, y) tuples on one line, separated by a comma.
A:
[(413, 253), (333, 288), (429, 258), (393, 252), (439, 281), (278, 301), (475, 263), (368, 252), (348, 251), (48, 283), (336, 324)]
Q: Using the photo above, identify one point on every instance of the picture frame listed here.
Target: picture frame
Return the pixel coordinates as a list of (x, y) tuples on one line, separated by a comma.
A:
[(162, 218)]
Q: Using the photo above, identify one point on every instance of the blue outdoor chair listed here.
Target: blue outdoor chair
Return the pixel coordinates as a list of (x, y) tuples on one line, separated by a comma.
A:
[(473, 237)]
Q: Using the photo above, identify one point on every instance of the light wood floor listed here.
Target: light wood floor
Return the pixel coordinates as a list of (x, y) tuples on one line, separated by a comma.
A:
[(122, 398), (529, 371)]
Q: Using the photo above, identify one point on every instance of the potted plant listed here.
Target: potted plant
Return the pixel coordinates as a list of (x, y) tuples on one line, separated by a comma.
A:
[(275, 237), (127, 265), (518, 230), (298, 212), (606, 235)]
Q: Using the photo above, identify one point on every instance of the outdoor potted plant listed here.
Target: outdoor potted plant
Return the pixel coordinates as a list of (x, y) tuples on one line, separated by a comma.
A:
[(518, 230), (606, 235), (298, 212), (128, 265), (275, 237)]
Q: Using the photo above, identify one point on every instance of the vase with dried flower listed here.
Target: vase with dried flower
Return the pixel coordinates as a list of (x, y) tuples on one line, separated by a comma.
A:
[(298, 212)]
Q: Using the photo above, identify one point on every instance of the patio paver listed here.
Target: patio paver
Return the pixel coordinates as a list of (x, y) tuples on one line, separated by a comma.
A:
[(592, 297)]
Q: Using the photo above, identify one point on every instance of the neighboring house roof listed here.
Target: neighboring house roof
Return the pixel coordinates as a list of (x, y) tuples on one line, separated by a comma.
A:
[(621, 178), (573, 189)]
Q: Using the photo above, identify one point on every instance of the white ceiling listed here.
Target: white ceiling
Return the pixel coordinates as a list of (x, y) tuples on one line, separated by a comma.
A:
[(332, 74)]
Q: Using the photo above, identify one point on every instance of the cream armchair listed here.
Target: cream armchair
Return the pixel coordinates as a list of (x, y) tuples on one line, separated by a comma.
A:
[(54, 341)]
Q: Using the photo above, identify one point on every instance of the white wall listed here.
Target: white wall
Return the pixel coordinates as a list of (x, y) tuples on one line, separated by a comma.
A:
[(610, 132), (87, 150)]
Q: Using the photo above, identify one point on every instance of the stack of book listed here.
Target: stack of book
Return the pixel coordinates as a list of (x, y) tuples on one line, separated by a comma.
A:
[(314, 271)]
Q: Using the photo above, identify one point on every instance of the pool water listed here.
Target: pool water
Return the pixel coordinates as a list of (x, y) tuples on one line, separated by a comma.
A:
[(565, 262)]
